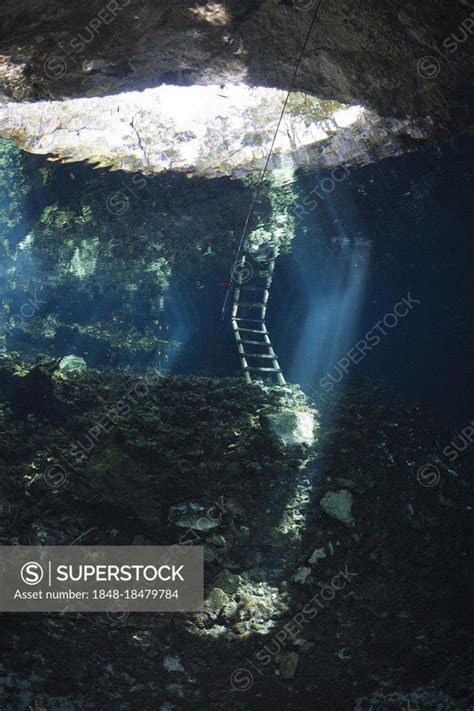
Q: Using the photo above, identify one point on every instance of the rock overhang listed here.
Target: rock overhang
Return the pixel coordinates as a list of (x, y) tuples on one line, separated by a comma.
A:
[(374, 55), (392, 59)]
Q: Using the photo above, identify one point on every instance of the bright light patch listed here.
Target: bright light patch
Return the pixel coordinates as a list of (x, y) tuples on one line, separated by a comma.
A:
[(214, 130), (346, 117), (213, 12)]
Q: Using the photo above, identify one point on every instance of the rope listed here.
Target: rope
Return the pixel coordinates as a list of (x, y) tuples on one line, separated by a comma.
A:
[(267, 162)]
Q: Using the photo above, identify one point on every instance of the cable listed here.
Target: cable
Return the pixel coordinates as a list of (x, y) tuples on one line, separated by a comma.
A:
[(267, 162)]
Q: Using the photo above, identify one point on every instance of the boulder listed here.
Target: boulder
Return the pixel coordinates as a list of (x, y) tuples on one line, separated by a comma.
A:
[(338, 505), (292, 427), (72, 364)]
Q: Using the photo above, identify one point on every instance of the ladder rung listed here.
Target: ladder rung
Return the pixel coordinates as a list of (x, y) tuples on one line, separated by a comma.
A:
[(266, 370), (253, 320), (250, 304), (253, 288), (252, 330), (253, 343), (260, 355)]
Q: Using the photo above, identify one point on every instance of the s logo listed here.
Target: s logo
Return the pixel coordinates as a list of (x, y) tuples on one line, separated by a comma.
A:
[(32, 573)]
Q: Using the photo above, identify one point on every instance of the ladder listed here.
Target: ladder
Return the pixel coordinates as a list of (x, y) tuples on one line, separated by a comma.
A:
[(248, 318)]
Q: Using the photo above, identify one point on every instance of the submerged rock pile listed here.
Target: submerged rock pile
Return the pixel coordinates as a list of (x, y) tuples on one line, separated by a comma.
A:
[(331, 578)]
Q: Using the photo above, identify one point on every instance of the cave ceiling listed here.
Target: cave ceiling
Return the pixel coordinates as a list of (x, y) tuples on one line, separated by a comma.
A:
[(89, 81)]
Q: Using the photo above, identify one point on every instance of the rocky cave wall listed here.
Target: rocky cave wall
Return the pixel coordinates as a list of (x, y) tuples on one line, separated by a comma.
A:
[(128, 268), (123, 270)]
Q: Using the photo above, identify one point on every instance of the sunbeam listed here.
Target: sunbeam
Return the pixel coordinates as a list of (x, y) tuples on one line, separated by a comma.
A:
[(335, 291)]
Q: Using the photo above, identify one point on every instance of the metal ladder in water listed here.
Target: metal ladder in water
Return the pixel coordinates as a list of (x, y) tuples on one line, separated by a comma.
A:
[(248, 317)]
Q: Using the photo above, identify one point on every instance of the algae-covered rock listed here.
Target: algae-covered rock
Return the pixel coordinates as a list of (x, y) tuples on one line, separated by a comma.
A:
[(72, 364), (292, 427), (193, 516)]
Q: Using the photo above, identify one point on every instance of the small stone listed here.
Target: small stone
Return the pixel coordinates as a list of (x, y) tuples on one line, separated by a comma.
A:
[(231, 608), (216, 631), (173, 664), (302, 575), (95, 65), (210, 554), (176, 690), (215, 602), (228, 582), (338, 505), (234, 507), (288, 664), (192, 516), (216, 540), (72, 364), (232, 564), (318, 554), (244, 532), (446, 502)]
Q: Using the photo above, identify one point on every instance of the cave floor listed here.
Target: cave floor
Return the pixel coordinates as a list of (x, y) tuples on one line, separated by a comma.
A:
[(308, 606)]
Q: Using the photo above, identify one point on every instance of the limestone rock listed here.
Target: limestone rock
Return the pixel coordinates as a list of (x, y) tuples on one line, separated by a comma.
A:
[(318, 554), (338, 505), (302, 575), (72, 364), (192, 515), (173, 664), (215, 602), (288, 664), (216, 540), (292, 427), (210, 554), (229, 582)]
